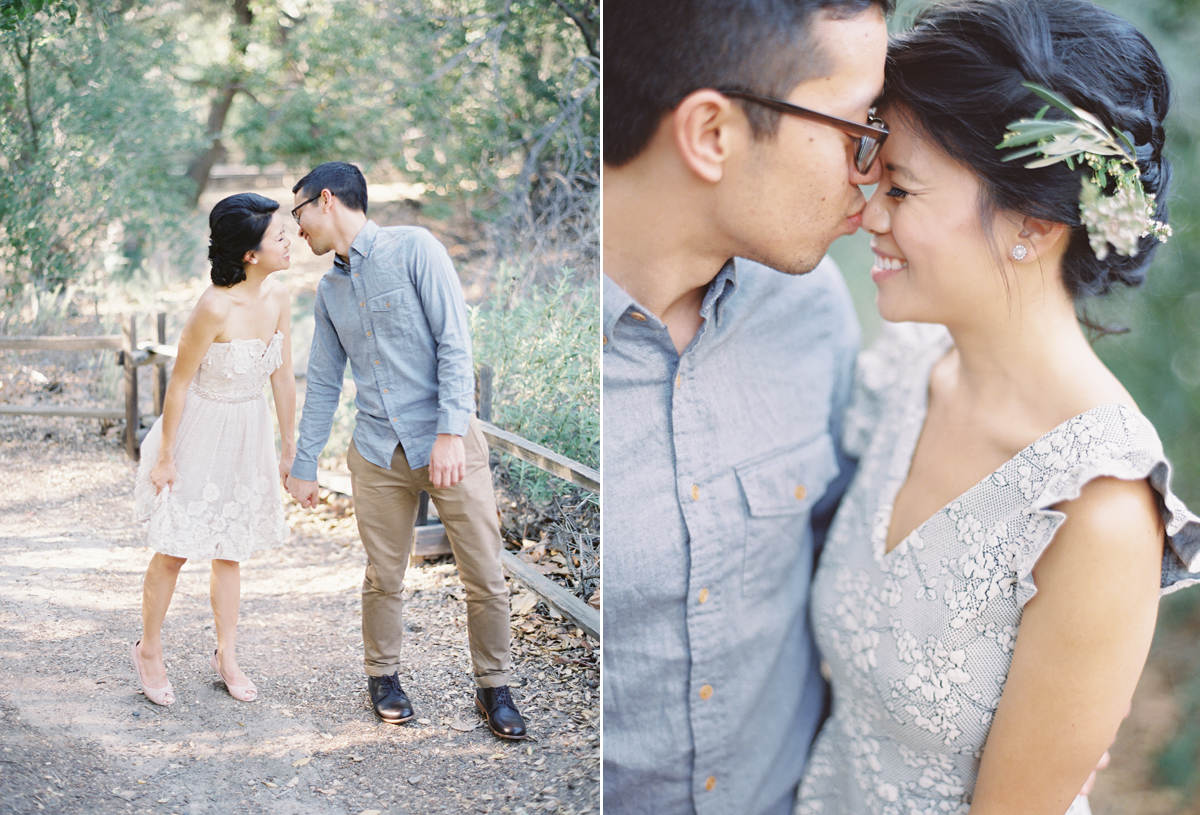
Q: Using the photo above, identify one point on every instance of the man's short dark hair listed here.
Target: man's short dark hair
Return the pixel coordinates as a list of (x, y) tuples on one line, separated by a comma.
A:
[(656, 53), (344, 180)]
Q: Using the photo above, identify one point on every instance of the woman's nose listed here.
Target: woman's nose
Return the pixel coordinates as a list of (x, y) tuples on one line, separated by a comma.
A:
[(875, 217)]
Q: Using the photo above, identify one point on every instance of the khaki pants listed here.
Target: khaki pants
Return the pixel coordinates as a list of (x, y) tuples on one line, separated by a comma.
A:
[(385, 504)]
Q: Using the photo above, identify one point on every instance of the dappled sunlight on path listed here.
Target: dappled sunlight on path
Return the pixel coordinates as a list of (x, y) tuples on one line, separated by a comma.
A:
[(71, 564)]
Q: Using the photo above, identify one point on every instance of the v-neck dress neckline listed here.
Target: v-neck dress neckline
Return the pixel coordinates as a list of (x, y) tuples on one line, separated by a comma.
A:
[(917, 642)]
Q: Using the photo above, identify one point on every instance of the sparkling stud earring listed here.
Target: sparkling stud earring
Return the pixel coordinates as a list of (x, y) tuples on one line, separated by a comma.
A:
[(1019, 252)]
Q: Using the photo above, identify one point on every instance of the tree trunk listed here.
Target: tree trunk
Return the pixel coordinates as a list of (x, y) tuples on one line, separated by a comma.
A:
[(200, 167)]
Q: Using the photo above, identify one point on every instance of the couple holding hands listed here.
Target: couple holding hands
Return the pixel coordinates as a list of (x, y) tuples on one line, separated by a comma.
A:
[(208, 484)]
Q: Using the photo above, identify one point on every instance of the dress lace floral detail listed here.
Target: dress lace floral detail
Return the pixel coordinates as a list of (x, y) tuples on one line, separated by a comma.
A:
[(919, 640), (225, 503)]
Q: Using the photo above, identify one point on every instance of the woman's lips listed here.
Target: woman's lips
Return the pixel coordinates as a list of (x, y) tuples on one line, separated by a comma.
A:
[(887, 266)]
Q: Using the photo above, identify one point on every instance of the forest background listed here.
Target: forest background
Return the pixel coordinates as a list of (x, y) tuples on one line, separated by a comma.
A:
[(122, 117), (1158, 360)]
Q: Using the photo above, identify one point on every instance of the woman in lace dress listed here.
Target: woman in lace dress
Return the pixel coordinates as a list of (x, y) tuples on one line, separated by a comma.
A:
[(987, 594), (209, 480)]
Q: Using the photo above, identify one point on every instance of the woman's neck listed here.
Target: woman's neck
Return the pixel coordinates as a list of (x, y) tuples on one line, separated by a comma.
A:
[(1036, 366)]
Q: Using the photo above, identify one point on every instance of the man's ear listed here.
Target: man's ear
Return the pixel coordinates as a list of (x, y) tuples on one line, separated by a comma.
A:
[(704, 127)]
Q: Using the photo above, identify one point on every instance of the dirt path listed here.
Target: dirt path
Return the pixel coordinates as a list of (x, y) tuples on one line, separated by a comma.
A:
[(78, 737)]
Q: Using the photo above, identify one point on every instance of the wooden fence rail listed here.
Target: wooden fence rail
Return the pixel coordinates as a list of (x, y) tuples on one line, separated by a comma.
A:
[(132, 355), (430, 538)]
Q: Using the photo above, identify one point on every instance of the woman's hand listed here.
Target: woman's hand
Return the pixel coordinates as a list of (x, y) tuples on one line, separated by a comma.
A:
[(163, 475), (285, 467)]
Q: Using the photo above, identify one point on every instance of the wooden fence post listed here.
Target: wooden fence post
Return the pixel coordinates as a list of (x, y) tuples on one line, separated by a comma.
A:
[(160, 370), (484, 387), (132, 420)]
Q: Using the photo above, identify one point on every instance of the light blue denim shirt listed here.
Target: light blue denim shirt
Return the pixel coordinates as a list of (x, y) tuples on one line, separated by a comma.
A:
[(396, 312), (720, 473)]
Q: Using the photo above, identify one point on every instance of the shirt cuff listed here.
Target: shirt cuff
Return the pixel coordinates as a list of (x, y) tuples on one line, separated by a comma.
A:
[(454, 422), (304, 469)]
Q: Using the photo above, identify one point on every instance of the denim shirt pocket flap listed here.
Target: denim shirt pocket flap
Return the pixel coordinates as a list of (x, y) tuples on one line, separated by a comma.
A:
[(388, 301), (790, 481)]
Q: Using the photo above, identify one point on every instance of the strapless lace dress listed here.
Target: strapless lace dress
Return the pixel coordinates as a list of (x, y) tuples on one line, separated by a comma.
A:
[(226, 501)]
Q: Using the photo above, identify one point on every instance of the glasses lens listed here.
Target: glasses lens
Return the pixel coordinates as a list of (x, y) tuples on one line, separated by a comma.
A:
[(868, 151)]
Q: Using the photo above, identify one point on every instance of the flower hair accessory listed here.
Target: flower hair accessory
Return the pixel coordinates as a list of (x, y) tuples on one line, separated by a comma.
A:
[(1120, 218)]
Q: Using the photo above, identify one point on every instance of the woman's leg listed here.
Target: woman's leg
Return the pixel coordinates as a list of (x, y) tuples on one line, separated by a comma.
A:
[(225, 591), (158, 587)]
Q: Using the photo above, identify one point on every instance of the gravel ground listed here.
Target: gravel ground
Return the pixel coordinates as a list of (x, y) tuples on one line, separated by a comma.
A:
[(78, 737)]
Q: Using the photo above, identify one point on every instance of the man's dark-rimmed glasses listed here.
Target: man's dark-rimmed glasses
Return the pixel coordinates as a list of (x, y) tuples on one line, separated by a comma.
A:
[(296, 211), (870, 137)]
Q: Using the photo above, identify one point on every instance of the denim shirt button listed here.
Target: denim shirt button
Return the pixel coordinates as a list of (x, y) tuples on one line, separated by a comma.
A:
[(710, 783)]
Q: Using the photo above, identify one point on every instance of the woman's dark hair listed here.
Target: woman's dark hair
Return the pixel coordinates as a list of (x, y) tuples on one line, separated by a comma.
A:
[(957, 77), (236, 226)]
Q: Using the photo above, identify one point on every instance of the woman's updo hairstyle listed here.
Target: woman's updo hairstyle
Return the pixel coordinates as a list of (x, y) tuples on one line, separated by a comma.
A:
[(956, 77), (236, 226)]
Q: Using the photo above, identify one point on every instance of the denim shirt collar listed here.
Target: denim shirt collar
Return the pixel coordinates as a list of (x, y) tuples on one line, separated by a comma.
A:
[(719, 291), (362, 245), (617, 301)]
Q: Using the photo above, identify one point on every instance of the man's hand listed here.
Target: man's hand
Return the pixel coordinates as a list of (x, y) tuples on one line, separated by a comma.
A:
[(1091, 782), (448, 461), (305, 492), (1104, 762)]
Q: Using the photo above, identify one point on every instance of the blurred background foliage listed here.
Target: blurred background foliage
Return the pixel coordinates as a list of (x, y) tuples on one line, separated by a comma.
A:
[(478, 116), (116, 112), (1158, 360)]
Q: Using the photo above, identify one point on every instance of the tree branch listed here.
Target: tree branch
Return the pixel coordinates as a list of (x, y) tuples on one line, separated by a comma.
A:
[(583, 24)]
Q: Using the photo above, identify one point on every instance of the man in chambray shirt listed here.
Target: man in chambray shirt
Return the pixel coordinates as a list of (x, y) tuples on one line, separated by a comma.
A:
[(724, 382), (393, 307)]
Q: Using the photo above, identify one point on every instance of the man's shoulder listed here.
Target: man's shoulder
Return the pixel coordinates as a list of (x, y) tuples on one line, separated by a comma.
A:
[(413, 239)]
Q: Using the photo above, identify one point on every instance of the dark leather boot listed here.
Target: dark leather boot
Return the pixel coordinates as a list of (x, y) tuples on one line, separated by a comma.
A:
[(497, 705), (389, 700)]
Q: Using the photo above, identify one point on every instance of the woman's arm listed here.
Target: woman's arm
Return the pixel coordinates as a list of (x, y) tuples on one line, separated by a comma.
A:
[(283, 388), (1080, 649), (203, 325)]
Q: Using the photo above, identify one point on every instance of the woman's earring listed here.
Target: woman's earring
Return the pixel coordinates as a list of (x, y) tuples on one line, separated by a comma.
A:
[(1019, 252)]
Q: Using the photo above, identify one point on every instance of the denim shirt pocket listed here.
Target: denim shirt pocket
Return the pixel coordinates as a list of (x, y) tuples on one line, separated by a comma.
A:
[(781, 490), (387, 312)]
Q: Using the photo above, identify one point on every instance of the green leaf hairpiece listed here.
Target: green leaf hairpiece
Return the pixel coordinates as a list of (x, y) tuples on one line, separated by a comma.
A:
[(1120, 218)]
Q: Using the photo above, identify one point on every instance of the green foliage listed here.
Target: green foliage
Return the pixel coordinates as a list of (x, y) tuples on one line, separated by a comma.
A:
[(13, 12), (90, 143), (490, 103), (542, 346)]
